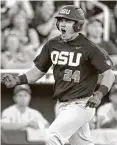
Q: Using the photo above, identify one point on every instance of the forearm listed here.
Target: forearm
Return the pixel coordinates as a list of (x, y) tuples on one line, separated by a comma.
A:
[(34, 74), (106, 83), (13, 126), (108, 79), (30, 76)]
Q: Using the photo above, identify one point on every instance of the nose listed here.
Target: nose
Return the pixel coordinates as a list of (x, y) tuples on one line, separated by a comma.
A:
[(63, 23)]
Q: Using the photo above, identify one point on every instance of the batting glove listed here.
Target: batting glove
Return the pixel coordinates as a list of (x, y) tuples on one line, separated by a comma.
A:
[(95, 100)]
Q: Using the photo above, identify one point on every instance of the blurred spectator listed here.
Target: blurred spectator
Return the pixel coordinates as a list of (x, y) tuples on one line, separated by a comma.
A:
[(90, 9), (5, 19), (9, 8), (110, 4), (19, 116), (113, 24), (24, 42), (62, 3), (107, 113), (95, 34), (43, 18)]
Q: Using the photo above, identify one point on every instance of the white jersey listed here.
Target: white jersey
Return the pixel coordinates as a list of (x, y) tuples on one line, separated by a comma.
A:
[(13, 115), (106, 113)]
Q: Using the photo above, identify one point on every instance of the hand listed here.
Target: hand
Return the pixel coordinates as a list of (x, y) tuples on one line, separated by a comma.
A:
[(9, 80), (33, 124), (95, 100)]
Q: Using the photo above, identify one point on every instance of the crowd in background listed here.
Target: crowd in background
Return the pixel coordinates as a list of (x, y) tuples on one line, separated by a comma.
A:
[(27, 25)]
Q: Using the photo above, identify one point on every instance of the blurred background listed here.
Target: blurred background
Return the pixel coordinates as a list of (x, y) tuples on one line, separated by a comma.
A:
[(25, 27)]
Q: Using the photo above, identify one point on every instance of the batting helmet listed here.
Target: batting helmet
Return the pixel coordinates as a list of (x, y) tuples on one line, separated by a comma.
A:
[(74, 13)]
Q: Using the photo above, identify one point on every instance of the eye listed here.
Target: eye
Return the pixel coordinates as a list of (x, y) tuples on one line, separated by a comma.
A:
[(67, 20), (61, 20)]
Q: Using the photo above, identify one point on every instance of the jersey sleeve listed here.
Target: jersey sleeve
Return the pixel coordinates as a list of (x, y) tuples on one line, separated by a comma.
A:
[(100, 60), (43, 60)]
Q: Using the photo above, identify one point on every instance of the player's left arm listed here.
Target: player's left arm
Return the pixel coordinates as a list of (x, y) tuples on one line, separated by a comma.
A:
[(100, 61), (106, 82)]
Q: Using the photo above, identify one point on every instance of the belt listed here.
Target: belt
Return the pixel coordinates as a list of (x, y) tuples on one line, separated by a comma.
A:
[(67, 100)]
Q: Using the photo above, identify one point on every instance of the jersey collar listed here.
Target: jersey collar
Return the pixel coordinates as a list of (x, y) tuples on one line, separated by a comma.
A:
[(78, 41)]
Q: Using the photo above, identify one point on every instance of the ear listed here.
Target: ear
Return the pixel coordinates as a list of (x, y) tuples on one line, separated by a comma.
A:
[(77, 26), (80, 26)]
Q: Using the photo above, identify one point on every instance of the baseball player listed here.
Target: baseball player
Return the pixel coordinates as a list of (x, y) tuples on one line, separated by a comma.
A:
[(77, 62)]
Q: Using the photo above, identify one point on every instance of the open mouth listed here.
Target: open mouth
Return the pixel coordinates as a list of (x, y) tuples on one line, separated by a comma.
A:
[(63, 31)]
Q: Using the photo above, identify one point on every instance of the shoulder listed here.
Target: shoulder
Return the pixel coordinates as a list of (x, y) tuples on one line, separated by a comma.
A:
[(9, 110), (92, 47), (54, 40)]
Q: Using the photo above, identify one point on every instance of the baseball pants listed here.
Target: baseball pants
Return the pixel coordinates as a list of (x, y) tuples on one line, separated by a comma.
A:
[(71, 123)]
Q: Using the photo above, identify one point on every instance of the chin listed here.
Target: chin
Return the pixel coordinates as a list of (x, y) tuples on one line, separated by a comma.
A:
[(64, 37)]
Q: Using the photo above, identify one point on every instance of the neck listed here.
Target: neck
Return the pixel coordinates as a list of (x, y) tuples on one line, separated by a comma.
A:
[(71, 38), (21, 108)]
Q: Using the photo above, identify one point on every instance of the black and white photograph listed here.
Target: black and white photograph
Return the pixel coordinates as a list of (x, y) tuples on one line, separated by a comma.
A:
[(58, 72)]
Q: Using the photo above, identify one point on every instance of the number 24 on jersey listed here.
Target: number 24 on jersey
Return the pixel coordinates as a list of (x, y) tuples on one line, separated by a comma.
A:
[(69, 75)]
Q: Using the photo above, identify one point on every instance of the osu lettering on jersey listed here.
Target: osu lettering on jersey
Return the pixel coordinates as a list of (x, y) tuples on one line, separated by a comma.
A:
[(76, 65)]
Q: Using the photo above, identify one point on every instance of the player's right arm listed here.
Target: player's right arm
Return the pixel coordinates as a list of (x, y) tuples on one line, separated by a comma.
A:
[(42, 64), (29, 77)]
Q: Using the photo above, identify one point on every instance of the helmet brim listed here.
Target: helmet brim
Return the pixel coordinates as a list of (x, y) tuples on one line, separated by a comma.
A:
[(61, 16)]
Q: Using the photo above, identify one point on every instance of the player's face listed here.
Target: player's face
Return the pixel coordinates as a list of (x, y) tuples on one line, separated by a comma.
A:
[(66, 28), (22, 98)]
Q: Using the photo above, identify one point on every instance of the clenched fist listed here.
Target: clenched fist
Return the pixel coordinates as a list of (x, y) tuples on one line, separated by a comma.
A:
[(10, 81)]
